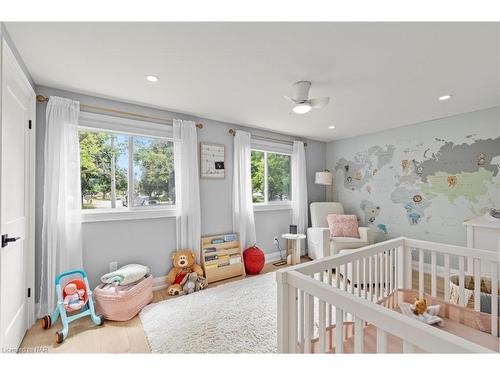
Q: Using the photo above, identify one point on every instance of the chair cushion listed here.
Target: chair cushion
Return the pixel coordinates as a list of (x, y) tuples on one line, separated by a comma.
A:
[(343, 225)]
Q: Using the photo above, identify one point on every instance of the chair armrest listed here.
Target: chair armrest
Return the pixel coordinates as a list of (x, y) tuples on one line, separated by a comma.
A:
[(366, 234), (318, 242)]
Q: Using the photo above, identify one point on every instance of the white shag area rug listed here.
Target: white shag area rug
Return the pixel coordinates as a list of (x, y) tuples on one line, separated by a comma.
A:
[(238, 317)]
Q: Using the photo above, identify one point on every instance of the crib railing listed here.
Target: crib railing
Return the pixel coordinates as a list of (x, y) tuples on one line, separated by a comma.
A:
[(341, 290)]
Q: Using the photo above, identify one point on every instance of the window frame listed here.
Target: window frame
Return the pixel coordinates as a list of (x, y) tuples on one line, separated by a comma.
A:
[(272, 205), (132, 128)]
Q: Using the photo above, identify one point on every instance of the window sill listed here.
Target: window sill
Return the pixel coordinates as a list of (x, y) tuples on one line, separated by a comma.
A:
[(92, 217), (272, 207)]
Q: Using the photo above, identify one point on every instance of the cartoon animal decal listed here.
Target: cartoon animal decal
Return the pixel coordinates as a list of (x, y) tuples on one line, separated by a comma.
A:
[(371, 211), (358, 176), (417, 198), (375, 171), (418, 168), (405, 164), (481, 159), (452, 181), (414, 217), (369, 189)]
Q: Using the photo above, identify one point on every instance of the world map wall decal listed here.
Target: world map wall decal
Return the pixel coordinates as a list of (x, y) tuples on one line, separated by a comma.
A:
[(432, 186)]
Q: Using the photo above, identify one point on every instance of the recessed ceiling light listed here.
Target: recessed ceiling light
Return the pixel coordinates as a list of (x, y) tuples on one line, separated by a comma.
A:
[(152, 78), (331, 127), (445, 97), (302, 108)]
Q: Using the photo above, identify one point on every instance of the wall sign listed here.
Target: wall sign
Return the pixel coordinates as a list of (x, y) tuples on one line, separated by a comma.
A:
[(212, 160)]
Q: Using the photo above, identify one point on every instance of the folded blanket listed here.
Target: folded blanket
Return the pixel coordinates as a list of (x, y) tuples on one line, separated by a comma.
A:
[(126, 275)]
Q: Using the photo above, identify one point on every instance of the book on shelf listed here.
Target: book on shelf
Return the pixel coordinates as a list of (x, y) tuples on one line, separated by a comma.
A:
[(217, 241), (210, 250), (208, 258), (230, 237), (211, 266), (235, 259)]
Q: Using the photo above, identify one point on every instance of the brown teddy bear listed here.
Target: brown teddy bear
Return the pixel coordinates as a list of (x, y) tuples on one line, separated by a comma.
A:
[(183, 263), (419, 306)]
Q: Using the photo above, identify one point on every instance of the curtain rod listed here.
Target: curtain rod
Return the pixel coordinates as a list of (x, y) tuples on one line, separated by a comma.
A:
[(42, 99), (233, 133)]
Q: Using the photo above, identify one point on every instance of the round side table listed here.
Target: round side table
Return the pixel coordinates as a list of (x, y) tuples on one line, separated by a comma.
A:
[(293, 246)]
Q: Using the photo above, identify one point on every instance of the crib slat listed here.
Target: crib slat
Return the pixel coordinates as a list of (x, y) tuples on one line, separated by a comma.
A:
[(339, 331), (293, 320), (344, 277), (381, 265), (447, 277), (408, 268), (386, 270), (376, 270), (461, 281), (391, 270), (433, 274), (494, 299), (420, 273), (358, 335), (381, 341), (308, 321), (477, 284), (365, 278), (358, 277), (322, 327), (301, 319), (329, 306), (337, 277), (371, 277)]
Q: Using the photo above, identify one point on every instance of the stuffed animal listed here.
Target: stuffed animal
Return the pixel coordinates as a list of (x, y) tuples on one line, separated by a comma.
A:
[(419, 306), (74, 297), (201, 283), (183, 263), (189, 283)]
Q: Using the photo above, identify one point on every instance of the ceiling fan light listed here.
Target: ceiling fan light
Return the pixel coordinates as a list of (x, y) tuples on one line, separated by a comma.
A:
[(302, 108)]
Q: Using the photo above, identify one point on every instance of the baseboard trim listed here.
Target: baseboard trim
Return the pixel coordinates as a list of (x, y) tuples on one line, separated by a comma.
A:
[(160, 283)]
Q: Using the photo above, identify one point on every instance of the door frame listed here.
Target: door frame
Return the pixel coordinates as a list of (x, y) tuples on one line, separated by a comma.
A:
[(8, 57)]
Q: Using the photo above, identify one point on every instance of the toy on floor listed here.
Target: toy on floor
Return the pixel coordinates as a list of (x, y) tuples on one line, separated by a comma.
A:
[(183, 263), (75, 298), (419, 310), (192, 283)]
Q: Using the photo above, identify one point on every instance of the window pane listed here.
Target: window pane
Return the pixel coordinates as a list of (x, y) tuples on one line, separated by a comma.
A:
[(103, 169), (278, 177), (154, 181), (257, 167)]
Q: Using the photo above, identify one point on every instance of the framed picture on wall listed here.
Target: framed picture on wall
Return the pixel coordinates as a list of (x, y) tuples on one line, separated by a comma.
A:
[(212, 160)]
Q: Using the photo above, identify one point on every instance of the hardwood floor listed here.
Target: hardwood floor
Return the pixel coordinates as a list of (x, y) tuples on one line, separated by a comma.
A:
[(112, 337)]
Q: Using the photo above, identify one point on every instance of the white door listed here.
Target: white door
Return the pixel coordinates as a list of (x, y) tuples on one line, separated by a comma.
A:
[(16, 252)]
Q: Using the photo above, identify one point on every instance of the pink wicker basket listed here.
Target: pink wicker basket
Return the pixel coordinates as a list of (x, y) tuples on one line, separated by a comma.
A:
[(122, 303)]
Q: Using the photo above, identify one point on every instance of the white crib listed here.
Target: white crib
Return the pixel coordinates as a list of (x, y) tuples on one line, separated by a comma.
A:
[(348, 303)]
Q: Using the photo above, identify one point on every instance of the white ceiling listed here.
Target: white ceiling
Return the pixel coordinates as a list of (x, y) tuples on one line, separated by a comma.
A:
[(378, 75)]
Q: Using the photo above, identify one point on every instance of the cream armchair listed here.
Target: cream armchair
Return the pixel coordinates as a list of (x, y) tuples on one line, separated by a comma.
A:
[(320, 244)]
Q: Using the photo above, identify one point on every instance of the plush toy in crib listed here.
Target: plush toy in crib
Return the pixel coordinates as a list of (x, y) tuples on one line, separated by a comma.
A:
[(74, 297), (419, 310)]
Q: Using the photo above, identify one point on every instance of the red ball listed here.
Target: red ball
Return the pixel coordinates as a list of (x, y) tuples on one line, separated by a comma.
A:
[(254, 260)]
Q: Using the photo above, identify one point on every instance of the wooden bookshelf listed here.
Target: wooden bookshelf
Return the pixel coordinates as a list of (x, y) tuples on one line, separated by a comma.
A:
[(229, 249)]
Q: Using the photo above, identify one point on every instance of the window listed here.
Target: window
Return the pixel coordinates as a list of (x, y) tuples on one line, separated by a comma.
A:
[(123, 172), (271, 178)]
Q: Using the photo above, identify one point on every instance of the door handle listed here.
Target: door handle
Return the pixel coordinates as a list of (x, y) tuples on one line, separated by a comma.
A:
[(6, 239)]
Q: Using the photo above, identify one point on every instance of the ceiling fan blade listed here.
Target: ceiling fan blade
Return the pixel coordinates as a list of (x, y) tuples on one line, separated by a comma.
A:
[(290, 99), (319, 102)]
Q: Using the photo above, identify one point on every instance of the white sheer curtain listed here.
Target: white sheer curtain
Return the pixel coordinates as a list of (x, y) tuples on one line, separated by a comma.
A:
[(243, 219), (61, 228), (187, 186), (299, 187)]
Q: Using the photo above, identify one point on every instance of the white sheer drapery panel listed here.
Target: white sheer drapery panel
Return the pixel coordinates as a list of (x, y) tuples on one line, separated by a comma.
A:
[(243, 218), (300, 215), (61, 228), (187, 186)]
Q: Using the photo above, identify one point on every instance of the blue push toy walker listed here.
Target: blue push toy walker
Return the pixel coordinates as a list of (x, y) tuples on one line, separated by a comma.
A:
[(86, 309)]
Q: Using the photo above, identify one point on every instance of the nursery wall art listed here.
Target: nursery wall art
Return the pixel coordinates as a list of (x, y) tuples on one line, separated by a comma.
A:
[(212, 160)]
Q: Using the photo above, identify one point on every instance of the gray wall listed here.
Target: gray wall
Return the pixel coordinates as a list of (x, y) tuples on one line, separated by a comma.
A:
[(149, 241), (447, 147)]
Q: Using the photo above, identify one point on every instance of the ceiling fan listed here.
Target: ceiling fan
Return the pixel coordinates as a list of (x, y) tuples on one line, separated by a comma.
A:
[(300, 98)]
